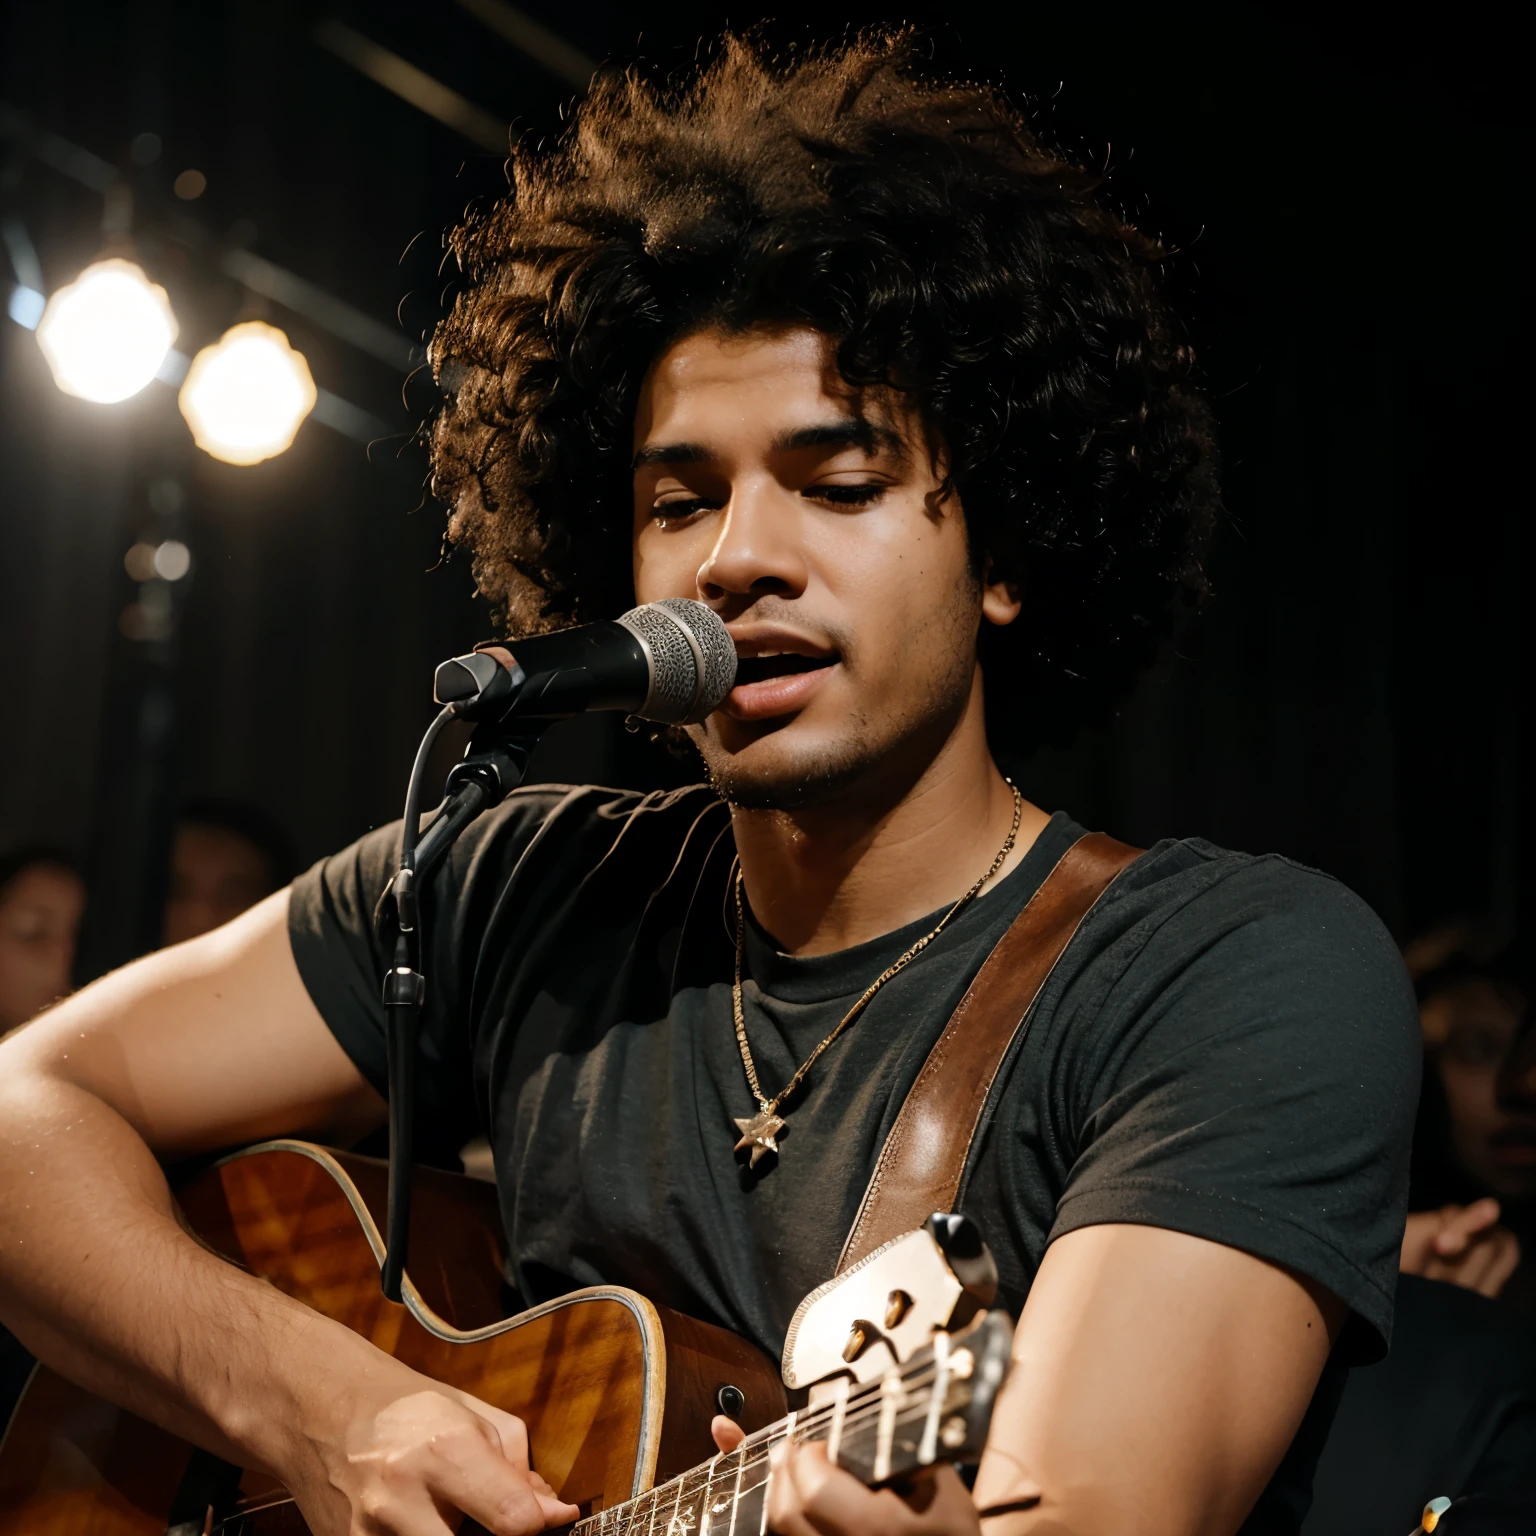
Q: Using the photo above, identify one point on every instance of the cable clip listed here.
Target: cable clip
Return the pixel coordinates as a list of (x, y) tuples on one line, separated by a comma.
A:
[(403, 889), (404, 987)]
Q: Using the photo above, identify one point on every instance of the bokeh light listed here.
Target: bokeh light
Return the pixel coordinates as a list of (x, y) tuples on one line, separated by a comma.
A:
[(172, 560), (246, 396), (106, 334)]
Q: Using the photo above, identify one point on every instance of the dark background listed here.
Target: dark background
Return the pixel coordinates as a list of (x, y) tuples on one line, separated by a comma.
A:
[(1350, 208)]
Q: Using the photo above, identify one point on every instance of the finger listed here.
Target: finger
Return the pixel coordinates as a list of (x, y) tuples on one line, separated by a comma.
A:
[(1504, 1260), (952, 1508), (834, 1503), (475, 1480), (726, 1433), (417, 1516), (1448, 1271), (1418, 1241), (511, 1432), (1464, 1225), (785, 1515)]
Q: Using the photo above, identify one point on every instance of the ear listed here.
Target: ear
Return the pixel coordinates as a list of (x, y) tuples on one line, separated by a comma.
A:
[(1000, 600)]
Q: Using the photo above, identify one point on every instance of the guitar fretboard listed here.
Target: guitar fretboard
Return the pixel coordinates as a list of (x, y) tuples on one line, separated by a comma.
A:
[(910, 1418)]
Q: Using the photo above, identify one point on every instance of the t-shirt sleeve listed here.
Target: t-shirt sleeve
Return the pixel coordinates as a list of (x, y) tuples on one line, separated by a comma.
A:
[(1254, 1083), (338, 953), (341, 959)]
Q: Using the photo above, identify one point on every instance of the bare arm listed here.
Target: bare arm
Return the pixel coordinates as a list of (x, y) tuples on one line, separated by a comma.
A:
[(208, 1044), (1158, 1379)]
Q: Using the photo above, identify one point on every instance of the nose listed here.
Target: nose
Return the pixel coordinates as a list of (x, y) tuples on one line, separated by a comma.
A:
[(759, 550)]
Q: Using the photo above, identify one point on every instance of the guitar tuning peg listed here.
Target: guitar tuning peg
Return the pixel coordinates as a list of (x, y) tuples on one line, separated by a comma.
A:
[(969, 1258)]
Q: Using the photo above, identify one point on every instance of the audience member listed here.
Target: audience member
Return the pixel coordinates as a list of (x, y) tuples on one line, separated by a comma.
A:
[(1452, 1409), (1473, 1198), (41, 900), (226, 858)]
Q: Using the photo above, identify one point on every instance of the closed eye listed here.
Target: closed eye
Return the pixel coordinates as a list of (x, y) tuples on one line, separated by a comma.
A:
[(681, 510), (847, 495)]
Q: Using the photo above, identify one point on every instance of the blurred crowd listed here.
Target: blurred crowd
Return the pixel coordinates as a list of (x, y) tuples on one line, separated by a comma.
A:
[(1452, 1408), (225, 858)]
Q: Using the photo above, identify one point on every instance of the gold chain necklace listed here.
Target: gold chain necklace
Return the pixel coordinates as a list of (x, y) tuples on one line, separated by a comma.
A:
[(758, 1131)]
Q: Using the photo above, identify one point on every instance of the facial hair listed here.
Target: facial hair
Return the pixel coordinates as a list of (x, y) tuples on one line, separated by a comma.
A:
[(869, 747)]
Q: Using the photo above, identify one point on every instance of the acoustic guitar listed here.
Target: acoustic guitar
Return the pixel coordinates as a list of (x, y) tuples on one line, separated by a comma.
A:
[(617, 1394)]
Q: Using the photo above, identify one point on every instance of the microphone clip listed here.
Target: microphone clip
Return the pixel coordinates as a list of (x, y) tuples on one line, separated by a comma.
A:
[(480, 685)]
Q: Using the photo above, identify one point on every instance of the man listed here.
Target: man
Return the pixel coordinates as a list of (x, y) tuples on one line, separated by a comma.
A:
[(42, 899), (1474, 1171), (839, 350), (224, 859)]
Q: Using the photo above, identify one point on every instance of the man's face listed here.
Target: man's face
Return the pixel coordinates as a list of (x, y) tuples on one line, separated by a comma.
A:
[(1495, 1139), (814, 523), (215, 876), (40, 910)]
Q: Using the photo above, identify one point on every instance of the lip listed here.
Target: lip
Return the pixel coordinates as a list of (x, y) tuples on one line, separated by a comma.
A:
[(776, 696), (1514, 1146)]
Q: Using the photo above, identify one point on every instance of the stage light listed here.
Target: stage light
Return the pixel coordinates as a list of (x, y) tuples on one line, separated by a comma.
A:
[(106, 334), (172, 560), (246, 395)]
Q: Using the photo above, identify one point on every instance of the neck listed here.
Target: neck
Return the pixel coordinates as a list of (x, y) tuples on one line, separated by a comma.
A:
[(888, 850)]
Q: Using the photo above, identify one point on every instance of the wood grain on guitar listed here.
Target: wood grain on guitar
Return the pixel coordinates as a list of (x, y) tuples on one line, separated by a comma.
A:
[(617, 1394)]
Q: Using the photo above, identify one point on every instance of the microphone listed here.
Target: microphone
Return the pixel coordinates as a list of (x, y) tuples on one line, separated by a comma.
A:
[(672, 662)]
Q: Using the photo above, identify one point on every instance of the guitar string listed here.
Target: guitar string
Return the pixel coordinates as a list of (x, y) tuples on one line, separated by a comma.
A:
[(864, 1405), (642, 1510), (764, 1440), (761, 1443), (655, 1496), (678, 1488), (658, 1500)]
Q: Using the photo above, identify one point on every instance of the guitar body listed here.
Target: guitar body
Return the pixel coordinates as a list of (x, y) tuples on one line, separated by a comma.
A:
[(616, 1393)]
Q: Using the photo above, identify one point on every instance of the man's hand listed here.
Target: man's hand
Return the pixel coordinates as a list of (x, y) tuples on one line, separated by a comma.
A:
[(206, 1045), (808, 1496), (1462, 1244), (420, 1463)]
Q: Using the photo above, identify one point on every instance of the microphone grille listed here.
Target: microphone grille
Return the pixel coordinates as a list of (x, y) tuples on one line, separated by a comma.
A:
[(693, 658)]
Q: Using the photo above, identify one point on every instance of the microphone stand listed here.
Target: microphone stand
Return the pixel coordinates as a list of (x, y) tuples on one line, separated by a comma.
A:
[(490, 769)]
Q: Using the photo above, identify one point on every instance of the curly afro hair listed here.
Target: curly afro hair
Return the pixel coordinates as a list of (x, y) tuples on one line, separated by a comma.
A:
[(920, 224)]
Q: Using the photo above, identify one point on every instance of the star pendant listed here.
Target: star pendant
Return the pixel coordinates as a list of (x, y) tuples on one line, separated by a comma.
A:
[(758, 1132)]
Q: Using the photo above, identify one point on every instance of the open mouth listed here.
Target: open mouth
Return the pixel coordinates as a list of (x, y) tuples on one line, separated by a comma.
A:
[(763, 669)]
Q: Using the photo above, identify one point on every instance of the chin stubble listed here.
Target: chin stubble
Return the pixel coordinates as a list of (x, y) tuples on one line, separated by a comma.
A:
[(832, 772)]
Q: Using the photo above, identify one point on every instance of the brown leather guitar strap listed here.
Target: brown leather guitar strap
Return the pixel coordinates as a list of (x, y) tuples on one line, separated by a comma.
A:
[(924, 1156)]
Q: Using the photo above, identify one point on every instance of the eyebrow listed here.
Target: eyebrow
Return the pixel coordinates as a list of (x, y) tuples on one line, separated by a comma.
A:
[(849, 432)]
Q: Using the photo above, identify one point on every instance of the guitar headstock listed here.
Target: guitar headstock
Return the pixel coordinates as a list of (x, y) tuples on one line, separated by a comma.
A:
[(885, 1309), (935, 1407)]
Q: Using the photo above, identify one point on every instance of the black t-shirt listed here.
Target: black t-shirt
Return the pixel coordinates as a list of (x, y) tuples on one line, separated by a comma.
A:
[(1452, 1412), (1229, 1047)]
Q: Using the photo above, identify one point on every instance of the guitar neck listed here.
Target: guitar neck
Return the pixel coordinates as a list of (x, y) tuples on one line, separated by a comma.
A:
[(936, 1407)]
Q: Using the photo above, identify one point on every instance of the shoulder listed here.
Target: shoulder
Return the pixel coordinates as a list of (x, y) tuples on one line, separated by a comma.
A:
[(535, 826), (1236, 1055), (587, 820), (1202, 961), (1188, 905)]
